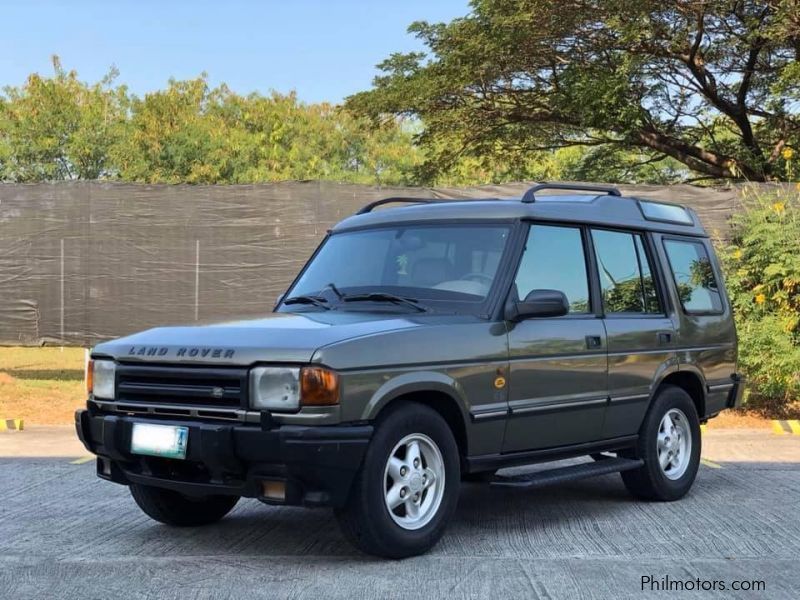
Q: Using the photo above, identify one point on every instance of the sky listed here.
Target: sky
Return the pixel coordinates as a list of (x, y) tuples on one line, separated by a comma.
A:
[(324, 51)]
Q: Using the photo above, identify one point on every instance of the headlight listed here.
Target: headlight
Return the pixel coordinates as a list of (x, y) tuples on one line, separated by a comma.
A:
[(275, 388), (101, 381), (289, 388)]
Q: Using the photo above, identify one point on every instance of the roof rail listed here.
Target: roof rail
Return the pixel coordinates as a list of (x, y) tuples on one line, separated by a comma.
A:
[(377, 203), (529, 196)]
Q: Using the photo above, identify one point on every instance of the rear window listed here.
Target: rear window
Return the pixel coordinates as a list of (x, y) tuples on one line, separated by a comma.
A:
[(694, 276)]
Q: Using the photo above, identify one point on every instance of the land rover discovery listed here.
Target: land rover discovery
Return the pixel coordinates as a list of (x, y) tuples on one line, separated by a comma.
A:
[(428, 344)]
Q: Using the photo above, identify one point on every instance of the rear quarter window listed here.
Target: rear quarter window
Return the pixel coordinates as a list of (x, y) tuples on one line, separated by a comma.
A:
[(693, 273)]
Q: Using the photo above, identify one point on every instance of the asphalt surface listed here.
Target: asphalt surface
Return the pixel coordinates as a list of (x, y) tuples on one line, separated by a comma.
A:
[(66, 534)]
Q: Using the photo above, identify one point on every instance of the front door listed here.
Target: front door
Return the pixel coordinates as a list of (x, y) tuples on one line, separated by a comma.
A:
[(558, 386)]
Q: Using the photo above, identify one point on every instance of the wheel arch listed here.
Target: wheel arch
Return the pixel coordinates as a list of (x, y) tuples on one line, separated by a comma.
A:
[(441, 393), (692, 382)]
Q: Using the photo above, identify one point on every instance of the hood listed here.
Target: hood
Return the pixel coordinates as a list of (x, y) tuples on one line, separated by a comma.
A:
[(278, 337)]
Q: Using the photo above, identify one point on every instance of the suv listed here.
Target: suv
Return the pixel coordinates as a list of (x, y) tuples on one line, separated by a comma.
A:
[(425, 345)]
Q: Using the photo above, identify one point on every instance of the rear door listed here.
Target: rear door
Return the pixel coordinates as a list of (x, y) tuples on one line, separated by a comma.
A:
[(641, 337), (706, 332), (558, 370)]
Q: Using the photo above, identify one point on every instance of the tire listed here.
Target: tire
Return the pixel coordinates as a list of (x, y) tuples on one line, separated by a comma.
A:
[(172, 508), (366, 520), (652, 481)]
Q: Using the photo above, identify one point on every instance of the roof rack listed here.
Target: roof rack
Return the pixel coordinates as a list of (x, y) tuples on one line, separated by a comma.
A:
[(529, 196), (377, 203)]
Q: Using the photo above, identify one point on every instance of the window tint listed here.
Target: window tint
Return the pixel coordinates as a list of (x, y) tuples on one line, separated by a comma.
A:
[(651, 302), (694, 276), (554, 260), (626, 278)]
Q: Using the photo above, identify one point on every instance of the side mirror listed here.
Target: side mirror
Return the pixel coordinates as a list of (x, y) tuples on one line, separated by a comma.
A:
[(538, 303)]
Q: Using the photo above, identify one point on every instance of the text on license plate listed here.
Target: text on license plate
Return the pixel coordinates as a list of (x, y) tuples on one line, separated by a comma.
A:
[(168, 441)]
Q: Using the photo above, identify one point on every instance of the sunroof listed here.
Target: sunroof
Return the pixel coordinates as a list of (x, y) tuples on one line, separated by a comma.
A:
[(667, 213)]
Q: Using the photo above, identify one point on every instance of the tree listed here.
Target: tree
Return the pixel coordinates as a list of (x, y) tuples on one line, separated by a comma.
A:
[(710, 84), (55, 128), (60, 128)]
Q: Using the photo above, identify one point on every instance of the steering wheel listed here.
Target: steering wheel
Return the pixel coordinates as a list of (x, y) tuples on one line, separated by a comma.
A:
[(482, 276)]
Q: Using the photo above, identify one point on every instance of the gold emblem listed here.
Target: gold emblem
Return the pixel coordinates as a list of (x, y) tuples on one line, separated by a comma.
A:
[(500, 382)]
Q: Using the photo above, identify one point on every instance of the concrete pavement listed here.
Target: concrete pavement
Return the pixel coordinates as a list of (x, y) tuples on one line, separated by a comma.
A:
[(65, 534), (41, 441)]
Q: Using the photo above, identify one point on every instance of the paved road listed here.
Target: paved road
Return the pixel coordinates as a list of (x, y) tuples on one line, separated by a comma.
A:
[(65, 534)]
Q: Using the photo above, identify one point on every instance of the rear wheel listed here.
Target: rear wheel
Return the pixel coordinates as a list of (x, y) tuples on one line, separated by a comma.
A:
[(669, 444), (407, 488), (172, 508)]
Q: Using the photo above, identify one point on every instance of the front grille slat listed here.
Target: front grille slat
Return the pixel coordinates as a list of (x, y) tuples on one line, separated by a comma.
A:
[(206, 388), (159, 390)]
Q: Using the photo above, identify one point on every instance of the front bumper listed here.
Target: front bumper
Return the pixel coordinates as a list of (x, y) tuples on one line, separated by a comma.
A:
[(317, 464)]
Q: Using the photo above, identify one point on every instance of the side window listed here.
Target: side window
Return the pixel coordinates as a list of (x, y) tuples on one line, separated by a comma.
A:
[(554, 260), (651, 302), (694, 276), (626, 277)]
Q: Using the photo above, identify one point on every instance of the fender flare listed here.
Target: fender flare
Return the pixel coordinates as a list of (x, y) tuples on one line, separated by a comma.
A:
[(683, 368), (416, 381)]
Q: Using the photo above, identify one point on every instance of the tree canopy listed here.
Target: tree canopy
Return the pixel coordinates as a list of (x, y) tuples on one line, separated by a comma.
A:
[(710, 85), (59, 128)]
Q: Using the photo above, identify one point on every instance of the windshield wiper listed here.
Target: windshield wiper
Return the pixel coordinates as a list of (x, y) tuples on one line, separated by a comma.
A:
[(384, 297), (320, 302), (332, 287)]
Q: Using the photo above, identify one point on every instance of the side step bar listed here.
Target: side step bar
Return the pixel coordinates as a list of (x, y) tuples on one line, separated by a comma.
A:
[(571, 473)]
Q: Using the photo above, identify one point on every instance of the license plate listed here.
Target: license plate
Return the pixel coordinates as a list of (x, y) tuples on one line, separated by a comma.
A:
[(167, 441)]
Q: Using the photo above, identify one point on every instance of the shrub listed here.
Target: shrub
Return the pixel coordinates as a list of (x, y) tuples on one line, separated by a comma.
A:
[(762, 264)]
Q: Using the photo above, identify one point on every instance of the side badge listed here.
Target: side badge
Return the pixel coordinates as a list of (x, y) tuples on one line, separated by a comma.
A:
[(499, 382)]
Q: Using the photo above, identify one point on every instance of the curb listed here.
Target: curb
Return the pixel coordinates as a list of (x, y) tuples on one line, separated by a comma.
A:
[(12, 424), (786, 427)]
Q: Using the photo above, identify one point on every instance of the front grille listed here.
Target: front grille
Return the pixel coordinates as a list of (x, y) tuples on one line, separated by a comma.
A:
[(200, 387)]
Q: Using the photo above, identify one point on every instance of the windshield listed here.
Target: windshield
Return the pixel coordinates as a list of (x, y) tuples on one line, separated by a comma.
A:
[(453, 264)]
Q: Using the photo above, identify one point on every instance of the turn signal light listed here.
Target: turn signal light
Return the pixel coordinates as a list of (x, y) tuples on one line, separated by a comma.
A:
[(89, 376), (318, 387)]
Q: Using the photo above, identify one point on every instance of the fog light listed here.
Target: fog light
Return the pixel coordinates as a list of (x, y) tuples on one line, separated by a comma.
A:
[(274, 490)]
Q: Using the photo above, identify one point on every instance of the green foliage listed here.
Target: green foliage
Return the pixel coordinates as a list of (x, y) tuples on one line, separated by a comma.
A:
[(709, 85), (60, 128), (762, 263)]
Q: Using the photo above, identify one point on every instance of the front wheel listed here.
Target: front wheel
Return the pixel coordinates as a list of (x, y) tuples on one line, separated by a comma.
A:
[(669, 445), (407, 488), (172, 508)]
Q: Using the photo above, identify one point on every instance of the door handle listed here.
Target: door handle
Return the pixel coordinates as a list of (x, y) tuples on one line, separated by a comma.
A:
[(664, 337), (593, 341)]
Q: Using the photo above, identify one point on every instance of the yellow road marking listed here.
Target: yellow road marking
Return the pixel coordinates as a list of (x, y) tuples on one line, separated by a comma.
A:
[(83, 460), (710, 463), (795, 426), (703, 428), (12, 424), (777, 428)]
